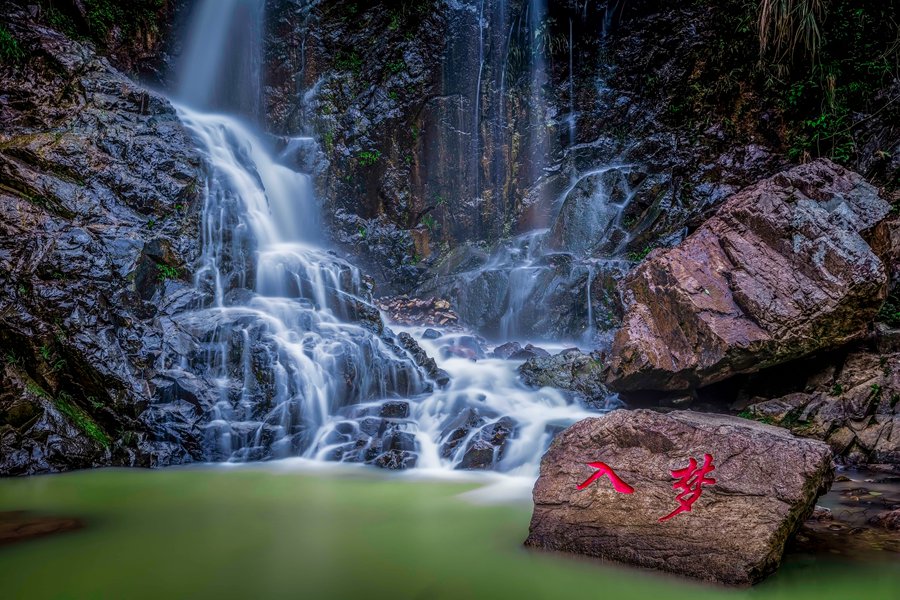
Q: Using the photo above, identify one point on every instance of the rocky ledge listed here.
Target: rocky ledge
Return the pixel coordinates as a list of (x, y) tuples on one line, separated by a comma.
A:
[(707, 496)]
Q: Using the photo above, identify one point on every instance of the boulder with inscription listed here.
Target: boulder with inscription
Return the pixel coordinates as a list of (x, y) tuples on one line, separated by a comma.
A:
[(707, 496)]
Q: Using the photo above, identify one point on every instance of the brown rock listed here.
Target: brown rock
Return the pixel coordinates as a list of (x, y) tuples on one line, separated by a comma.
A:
[(766, 482), (781, 270), (855, 408)]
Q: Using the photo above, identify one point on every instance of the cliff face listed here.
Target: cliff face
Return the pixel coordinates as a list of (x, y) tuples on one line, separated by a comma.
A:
[(453, 122), (99, 187)]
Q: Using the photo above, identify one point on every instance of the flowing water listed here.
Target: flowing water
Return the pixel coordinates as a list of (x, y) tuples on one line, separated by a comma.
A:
[(288, 339)]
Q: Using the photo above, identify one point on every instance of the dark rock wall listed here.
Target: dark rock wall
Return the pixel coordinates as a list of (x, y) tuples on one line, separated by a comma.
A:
[(390, 91), (99, 203)]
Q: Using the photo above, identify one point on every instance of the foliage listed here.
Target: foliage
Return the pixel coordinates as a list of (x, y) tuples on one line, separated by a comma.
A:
[(102, 16), (349, 61), (165, 272), (786, 24), (66, 406), (10, 50), (368, 157), (429, 222), (890, 310), (824, 66)]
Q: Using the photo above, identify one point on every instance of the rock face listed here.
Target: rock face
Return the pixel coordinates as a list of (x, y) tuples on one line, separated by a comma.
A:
[(854, 405), (98, 224), (765, 484), (782, 270)]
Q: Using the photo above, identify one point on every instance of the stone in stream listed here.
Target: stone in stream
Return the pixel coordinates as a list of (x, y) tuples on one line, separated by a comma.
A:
[(487, 447), (752, 488), (782, 270)]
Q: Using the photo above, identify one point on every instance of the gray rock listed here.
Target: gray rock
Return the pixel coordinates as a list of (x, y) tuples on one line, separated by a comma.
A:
[(570, 370)]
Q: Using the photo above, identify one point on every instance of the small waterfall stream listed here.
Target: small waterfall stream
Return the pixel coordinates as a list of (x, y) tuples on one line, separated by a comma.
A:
[(287, 336)]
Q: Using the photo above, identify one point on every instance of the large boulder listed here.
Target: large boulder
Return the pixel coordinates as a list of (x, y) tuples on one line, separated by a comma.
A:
[(759, 483), (782, 270)]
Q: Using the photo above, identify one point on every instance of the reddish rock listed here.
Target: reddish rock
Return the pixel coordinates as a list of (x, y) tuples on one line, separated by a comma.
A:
[(782, 270), (765, 484)]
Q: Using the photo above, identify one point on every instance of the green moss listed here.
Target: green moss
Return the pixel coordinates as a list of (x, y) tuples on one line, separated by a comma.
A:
[(101, 16), (10, 50), (165, 272), (81, 419), (368, 157), (752, 416)]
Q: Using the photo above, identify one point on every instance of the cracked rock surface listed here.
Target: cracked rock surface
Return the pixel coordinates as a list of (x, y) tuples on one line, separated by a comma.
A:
[(781, 271)]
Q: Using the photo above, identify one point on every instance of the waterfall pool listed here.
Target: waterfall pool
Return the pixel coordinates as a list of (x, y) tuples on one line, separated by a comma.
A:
[(294, 530)]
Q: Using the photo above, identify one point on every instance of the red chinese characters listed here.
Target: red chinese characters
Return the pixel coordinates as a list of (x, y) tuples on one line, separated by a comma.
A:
[(604, 469), (690, 481)]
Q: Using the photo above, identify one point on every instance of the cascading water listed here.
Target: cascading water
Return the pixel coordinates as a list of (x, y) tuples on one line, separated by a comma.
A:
[(286, 337)]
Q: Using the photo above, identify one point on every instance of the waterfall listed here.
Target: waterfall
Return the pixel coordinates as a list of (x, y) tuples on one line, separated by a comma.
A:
[(221, 66), (287, 338)]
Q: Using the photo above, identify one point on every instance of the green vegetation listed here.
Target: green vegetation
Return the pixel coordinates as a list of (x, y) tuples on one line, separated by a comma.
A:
[(890, 310), (397, 66), (102, 16), (639, 255), (348, 61), (80, 418), (368, 157), (165, 272), (429, 222), (822, 69), (752, 416), (10, 50)]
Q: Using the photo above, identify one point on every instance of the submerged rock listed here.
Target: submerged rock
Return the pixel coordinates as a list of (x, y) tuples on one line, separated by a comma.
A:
[(782, 270), (751, 488)]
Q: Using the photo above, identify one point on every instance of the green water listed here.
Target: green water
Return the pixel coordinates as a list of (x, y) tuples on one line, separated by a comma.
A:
[(254, 533)]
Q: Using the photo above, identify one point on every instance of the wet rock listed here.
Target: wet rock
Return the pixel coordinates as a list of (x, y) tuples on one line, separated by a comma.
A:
[(764, 485), (396, 460), (457, 429), (438, 375), (529, 352), (18, 526), (418, 311), (888, 520), (853, 405), (506, 350), (570, 370), (98, 226), (486, 448), (395, 409), (782, 270), (431, 334)]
